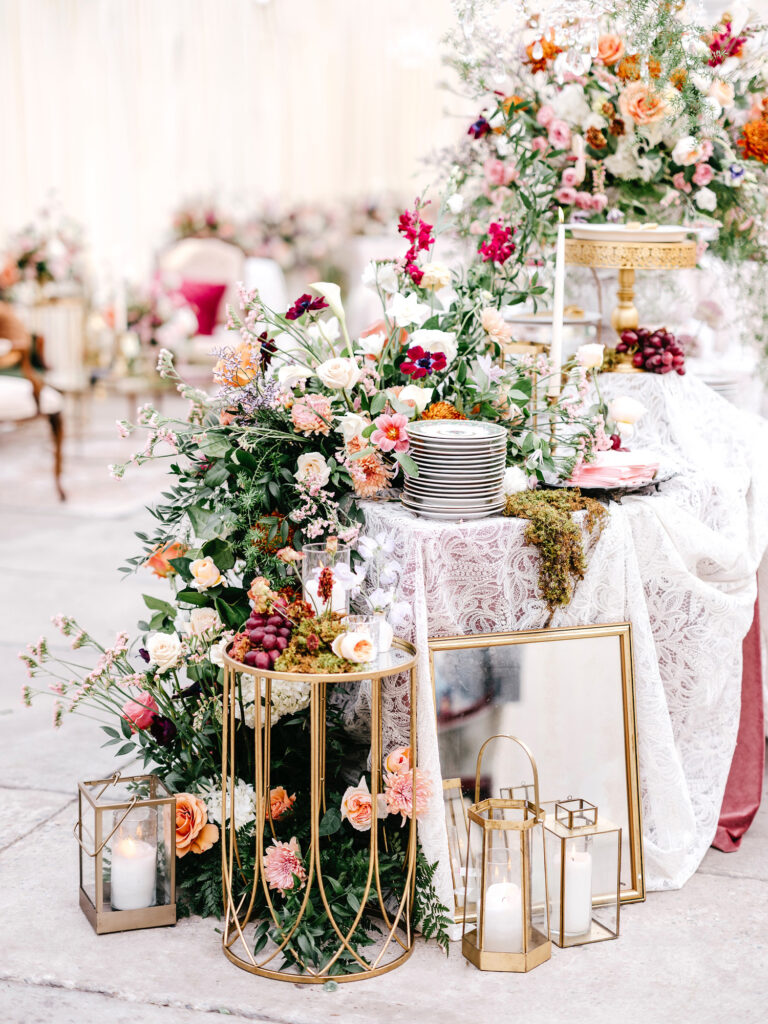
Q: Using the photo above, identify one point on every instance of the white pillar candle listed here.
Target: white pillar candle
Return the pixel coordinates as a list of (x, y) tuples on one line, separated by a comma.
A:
[(577, 919), (503, 918), (133, 878), (556, 347)]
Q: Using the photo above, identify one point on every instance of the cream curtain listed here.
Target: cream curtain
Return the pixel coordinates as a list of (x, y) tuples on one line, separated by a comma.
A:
[(124, 108)]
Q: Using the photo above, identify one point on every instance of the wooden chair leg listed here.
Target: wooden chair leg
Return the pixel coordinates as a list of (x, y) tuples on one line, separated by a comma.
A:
[(57, 428)]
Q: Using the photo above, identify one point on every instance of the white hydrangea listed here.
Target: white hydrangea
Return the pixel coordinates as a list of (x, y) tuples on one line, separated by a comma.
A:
[(571, 105), (286, 699), (245, 802), (622, 163)]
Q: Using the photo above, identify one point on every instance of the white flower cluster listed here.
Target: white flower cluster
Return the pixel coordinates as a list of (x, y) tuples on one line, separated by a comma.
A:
[(286, 699), (245, 802)]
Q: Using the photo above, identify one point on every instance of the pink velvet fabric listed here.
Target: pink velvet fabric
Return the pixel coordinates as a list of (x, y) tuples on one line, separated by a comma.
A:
[(745, 780), (205, 298)]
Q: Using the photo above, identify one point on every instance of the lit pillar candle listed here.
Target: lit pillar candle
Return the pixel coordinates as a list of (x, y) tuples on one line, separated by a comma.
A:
[(577, 918), (503, 918), (133, 878), (556, 347)]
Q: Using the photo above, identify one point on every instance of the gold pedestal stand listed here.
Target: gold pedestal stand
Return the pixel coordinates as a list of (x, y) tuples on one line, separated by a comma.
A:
[(627, 257)]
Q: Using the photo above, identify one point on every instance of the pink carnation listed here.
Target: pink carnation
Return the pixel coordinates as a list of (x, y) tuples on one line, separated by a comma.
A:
[(498, 173), (584, 200), (703, 174), (566, 196), (539, 144), (403, 797), (545, 115), (559, 134), (599, 202), (571, 177), (312, 414), (282, 866), (390, 434), (140, 712), (678, 180)]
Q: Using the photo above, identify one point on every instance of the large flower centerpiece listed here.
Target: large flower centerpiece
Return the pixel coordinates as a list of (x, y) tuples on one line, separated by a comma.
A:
[(674, 133), (47, 256)]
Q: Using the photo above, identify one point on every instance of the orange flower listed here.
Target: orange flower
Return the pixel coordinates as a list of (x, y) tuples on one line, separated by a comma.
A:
[(193, 833), (641, 105), (160, 559), (629, 69), (241, 365), (753, 142), (548, 52), (610, 48), (279, 802), (442, 411), (678, 77), (369, 473)]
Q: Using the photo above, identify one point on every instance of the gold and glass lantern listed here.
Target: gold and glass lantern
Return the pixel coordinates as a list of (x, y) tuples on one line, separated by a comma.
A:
[(126, 830), (457, 829), (584, 867), (506, 927)]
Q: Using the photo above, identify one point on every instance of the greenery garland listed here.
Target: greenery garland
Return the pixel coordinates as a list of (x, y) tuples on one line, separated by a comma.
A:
[(558, 537)]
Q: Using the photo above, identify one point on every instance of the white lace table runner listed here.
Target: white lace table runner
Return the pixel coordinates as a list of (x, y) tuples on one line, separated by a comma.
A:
[(679, 565)]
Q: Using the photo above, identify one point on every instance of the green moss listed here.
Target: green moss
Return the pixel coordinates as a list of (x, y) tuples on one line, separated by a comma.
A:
[(553, 531)]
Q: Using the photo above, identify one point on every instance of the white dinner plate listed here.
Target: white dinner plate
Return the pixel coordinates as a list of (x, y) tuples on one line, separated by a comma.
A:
[(456, 430), (625, 233), (451, 516)]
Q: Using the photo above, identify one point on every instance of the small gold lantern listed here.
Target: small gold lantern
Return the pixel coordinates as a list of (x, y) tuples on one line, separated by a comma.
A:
[(506, 926), (584, 865), (126, 830)]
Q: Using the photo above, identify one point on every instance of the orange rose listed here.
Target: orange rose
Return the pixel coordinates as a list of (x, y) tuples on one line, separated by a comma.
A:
[(610, 48), (357, 806), (398, 760), (279, 802), (192, 829), (160, 559), (638, 103)]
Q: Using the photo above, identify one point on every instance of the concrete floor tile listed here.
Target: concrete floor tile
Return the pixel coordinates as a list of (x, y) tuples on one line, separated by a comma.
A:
[(25, 809)]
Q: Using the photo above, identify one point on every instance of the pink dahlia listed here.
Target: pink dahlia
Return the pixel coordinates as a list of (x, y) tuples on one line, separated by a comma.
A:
[(283, 867), (405, 798), (390, 434)]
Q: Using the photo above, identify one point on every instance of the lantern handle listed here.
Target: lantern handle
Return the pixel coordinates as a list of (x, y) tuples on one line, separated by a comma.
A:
[(526, 749), (97, 851)]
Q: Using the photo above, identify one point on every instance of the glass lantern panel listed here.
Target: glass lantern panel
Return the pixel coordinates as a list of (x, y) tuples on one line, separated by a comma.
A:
[(132, 873), (538, 896), (583, 874)]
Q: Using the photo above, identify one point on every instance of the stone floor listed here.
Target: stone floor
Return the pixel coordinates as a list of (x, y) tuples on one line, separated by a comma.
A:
[(697, 955)]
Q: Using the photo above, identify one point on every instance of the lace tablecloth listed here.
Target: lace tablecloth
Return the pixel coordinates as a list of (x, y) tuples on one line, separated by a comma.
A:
[(680, 566)]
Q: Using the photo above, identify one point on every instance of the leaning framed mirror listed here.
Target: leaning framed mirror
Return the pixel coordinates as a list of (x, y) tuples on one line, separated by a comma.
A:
[(569, 694)]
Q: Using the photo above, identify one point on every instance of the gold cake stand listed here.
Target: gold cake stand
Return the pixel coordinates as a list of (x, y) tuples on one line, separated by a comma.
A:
[(627, 257)]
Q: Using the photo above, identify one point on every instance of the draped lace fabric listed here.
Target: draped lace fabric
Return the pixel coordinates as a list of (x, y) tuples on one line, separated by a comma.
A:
[(679, 565)]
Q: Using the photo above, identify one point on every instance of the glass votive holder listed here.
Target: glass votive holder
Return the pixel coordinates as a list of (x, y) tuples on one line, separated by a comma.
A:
[(368, 625)]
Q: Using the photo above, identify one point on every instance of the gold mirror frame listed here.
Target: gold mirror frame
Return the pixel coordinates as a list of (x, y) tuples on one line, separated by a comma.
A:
[(623, 631)]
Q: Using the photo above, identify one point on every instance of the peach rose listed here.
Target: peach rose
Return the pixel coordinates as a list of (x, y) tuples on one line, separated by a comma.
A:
[(641, 105), (610, 48), (193, 833), (398, 760), (204, 573), (722, 92), (160, 559), (357, 806), (279, 802)]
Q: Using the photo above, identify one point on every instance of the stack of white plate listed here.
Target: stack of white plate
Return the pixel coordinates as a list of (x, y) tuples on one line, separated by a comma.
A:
[(461, 469)]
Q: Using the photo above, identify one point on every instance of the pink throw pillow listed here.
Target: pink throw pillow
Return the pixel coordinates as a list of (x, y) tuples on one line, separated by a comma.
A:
[(205, 298)]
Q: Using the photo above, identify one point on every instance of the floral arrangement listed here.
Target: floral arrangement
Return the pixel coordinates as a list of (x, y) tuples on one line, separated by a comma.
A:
[(204, 219), (46, 254), (299, 237), (159, 315), (675, 132)]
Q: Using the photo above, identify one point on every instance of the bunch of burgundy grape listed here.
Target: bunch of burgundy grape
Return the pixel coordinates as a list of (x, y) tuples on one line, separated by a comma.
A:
[(656, 351), (269, 635)]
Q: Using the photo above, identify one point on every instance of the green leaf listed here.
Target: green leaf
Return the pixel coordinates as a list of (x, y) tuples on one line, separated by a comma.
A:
[(369, 430), (220, 552), (158, 605), (217, 474), (378, 402), (189, 596), (409, 466), (331, 822), (125, 749), (205, 524)]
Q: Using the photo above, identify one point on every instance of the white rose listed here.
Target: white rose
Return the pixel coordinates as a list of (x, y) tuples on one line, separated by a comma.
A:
[(435, 276), (687, 151), (622, 163), (380, 275), (339, 373), (571, 105), (722, 92), (705, 199), (216, 651), (202, 621), (406, 310), (355, 647), (412, 394), (292, 374), (515, 480), (455, 203), (351, 425), (205, 573), (164, 650), (372, 344), (625, 409), (436, 341), (590, 356), (313, 469)]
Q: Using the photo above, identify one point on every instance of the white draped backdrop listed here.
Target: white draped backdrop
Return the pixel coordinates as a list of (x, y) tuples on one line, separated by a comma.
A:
[(128, 107)]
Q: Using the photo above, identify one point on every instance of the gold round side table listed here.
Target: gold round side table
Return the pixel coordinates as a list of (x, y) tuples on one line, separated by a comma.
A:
[(281, 959), (627, 257)]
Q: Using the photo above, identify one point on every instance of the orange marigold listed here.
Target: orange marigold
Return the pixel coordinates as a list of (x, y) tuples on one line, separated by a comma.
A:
[(549, 50), (753, 141), (629, 68), (678, 78), (442, 411)]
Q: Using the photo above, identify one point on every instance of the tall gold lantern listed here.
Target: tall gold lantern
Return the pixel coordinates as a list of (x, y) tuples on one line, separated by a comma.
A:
[(255, 937), (508, 927)]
